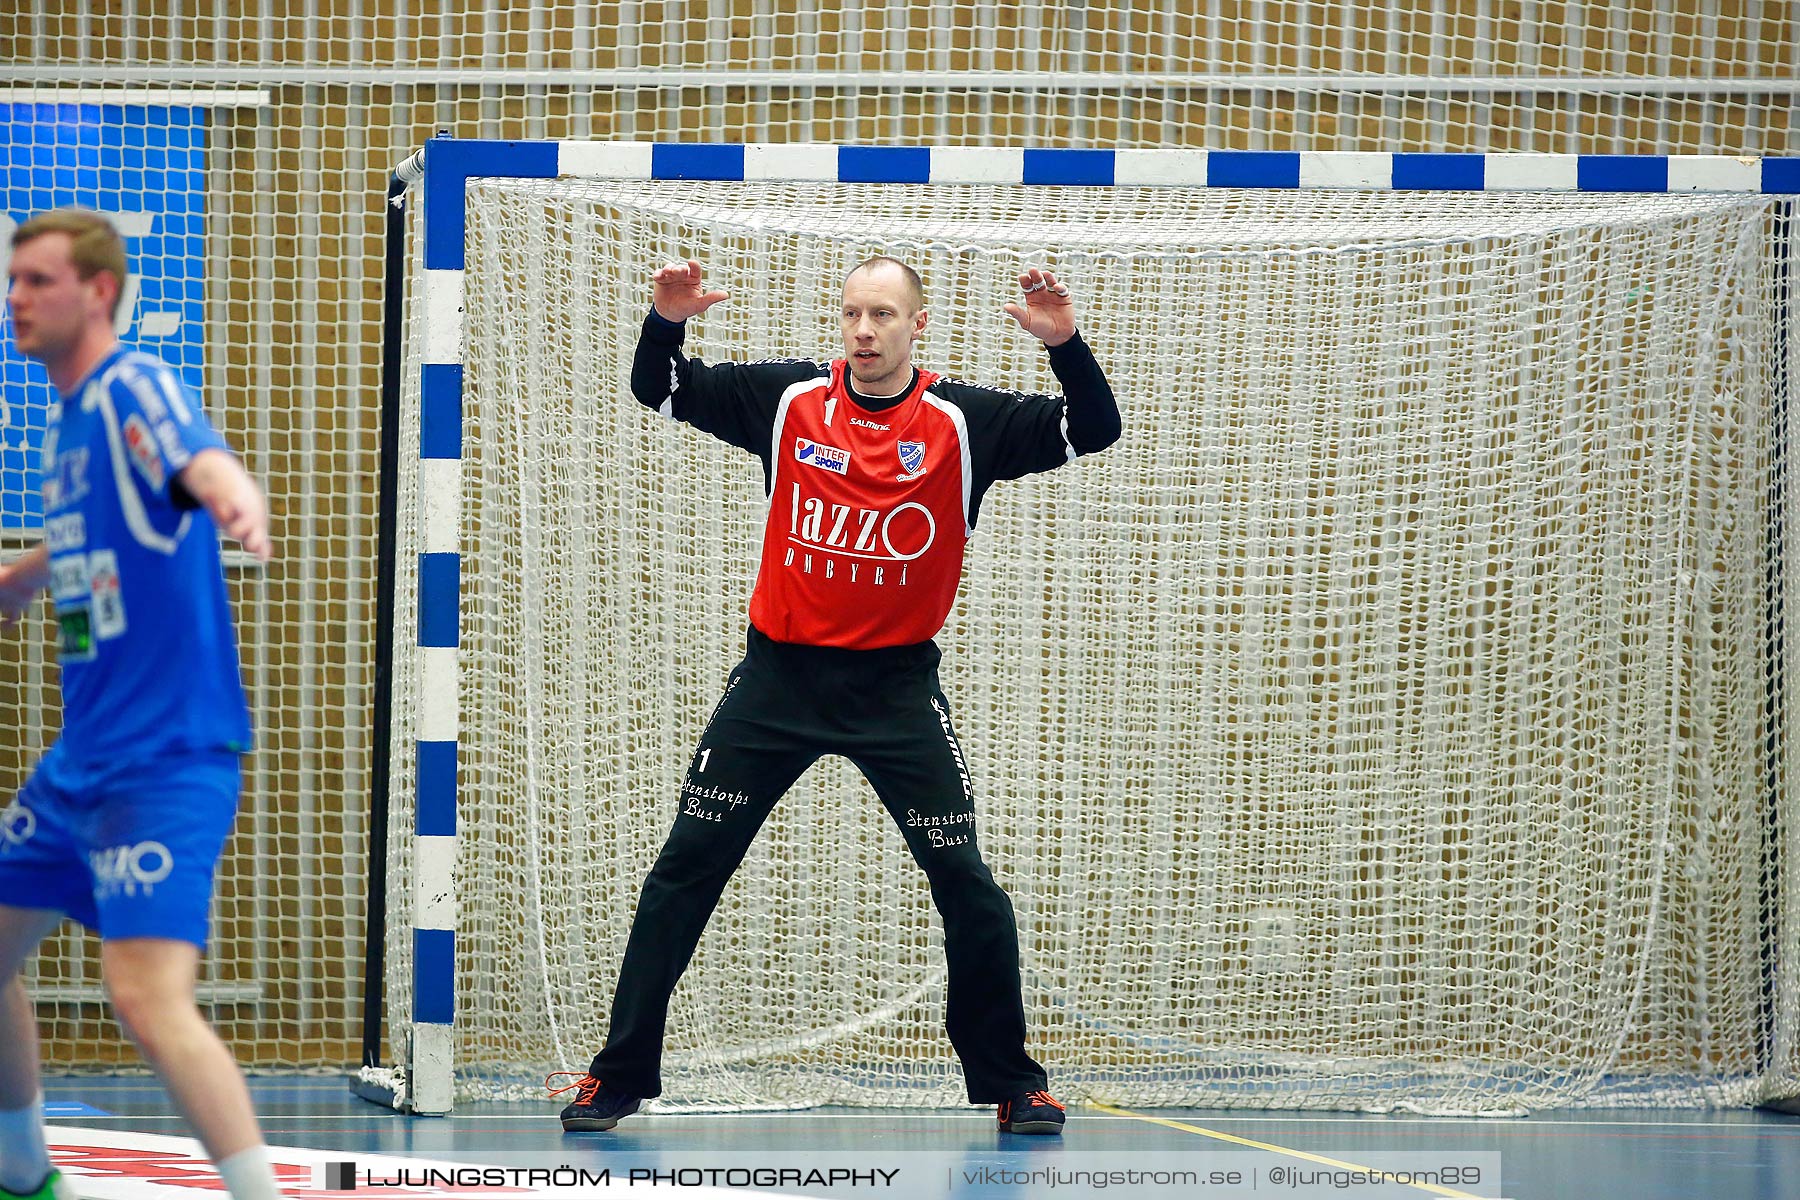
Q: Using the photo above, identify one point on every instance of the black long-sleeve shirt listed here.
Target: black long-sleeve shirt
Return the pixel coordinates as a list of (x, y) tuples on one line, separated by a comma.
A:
[(1010, 433)]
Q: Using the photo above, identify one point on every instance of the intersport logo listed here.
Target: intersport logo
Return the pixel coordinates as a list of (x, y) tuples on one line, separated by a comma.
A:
[(826, 458)]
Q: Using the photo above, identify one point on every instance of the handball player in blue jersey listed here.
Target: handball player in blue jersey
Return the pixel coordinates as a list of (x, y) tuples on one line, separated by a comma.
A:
[(123, 819)]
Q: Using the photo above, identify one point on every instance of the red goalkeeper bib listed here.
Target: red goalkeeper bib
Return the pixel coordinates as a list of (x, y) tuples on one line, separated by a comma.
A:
[(868, 517)]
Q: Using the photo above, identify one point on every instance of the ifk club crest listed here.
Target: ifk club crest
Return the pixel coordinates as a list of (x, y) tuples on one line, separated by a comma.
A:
[(912, 457)]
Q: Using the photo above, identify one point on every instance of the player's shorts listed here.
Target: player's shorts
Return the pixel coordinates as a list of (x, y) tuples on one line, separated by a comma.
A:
[(129, 853)]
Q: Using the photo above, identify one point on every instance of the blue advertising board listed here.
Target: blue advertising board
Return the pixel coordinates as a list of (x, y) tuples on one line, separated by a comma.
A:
[(145, 167)]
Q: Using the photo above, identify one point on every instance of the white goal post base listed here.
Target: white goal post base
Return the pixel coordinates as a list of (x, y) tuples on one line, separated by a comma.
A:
[(1392, 720)]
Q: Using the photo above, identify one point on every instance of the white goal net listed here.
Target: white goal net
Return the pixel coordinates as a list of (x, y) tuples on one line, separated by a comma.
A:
[(1391, 719)]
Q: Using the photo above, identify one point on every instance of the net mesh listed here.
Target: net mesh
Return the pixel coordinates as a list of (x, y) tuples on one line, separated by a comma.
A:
[(1385, 722)]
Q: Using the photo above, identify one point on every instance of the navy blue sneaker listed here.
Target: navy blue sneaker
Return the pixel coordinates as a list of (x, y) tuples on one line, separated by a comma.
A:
[(1032, 1112), (596, 1107)]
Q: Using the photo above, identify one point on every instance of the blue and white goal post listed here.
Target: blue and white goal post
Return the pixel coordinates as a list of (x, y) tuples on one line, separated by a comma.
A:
[(1419, 724)]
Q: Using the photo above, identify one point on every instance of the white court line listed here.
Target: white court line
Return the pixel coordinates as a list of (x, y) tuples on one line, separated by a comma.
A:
[(1372, 1121), (1286, 1151)]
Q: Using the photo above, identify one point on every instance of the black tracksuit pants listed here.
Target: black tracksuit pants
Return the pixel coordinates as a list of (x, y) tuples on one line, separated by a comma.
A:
[(784, 708)]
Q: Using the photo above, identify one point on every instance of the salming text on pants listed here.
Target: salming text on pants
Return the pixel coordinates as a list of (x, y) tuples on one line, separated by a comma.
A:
[(785, 707)]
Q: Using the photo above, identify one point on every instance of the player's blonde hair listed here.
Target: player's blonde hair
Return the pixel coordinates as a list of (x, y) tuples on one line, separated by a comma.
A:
[(94, 245)]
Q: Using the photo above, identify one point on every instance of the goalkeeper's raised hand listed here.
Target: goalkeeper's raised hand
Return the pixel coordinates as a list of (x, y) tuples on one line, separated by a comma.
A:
[(1047, 314), (676, 293)]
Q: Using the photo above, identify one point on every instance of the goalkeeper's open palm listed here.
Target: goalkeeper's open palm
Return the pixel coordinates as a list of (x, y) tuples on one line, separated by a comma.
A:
[(1047, 314), (677, 294)]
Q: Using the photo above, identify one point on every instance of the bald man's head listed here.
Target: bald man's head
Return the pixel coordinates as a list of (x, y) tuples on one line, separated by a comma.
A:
[(882, 264)]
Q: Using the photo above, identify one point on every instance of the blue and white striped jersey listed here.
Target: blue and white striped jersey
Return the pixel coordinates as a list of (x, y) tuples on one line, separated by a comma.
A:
[(149, 656)]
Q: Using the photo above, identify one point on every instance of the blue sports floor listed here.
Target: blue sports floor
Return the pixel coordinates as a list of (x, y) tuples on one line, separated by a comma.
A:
[(1637, 1154)]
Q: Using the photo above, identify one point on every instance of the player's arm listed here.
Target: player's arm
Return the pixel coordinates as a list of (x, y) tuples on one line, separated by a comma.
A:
[(216, 481), (179, 460), (1013, 433), (1090, 410), (20, 582), (734, 402), (1020, 433), (1048, 314)]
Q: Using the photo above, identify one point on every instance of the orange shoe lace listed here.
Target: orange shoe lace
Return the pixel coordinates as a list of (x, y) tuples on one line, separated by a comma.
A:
[(587, 1084), (1043, 1098)]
